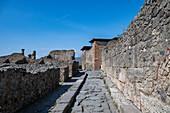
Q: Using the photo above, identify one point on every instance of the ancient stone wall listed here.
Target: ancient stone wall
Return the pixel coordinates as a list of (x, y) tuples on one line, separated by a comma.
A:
[(83, 59), (73, 67), (63, 55), (20, 85), (89, 58), (13, 58), (64, 73), (19, 58), (132, 61)]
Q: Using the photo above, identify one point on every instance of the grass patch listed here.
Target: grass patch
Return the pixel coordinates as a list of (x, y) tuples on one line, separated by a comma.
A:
[(116, 105), (60, 82), (104, 81), (107, 87)]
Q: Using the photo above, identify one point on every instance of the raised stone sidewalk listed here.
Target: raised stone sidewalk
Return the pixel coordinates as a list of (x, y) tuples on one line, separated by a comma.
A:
[(94, 97), (64, 103), (123, 105), (93, 93)]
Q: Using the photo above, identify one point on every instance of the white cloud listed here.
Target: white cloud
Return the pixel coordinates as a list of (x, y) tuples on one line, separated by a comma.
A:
[(63, 17)]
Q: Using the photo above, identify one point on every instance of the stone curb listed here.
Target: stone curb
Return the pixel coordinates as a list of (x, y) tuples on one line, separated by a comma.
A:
[(123, 105), (64, 103)]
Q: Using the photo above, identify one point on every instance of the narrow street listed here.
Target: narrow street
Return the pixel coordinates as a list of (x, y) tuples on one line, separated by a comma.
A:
[(94, 96)]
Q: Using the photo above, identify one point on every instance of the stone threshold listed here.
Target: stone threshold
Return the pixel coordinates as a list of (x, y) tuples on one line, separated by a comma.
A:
[(122, 104), (64, 103)]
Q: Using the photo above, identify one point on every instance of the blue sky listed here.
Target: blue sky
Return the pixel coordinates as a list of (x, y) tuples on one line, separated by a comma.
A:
[(45, 25)]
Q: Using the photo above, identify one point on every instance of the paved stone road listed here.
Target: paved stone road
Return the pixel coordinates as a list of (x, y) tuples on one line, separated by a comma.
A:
[(94, 97)]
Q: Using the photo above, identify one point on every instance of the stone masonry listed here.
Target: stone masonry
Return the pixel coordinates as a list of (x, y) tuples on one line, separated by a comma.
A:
[(84, 58), (73, 67), (20, 85), (64, 73), (131, 62), (19, 58), (92, 57), (63, 55), (23, 80), (137, 68)]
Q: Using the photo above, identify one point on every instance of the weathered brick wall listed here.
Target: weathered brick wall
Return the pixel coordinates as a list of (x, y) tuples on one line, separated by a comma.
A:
[(20, 86), (91, 59), (131, 62), (97, 56)]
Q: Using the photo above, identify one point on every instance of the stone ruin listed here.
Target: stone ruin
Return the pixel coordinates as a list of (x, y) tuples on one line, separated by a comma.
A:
[(18, 58), (91, 55), (25, 79), (62, 55), (138, 63)]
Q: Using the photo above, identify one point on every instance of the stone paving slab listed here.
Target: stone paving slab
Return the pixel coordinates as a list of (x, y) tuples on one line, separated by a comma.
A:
[(60, 108), (94, 97)]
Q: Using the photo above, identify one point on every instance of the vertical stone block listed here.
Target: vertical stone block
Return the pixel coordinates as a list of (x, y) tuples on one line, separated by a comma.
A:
[(22, 51)]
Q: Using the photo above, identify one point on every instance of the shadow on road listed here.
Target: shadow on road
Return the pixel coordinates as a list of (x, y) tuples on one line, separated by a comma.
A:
[(45, 103)]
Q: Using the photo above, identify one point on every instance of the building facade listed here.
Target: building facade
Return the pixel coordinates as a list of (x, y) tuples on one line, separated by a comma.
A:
[(91, 56)]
